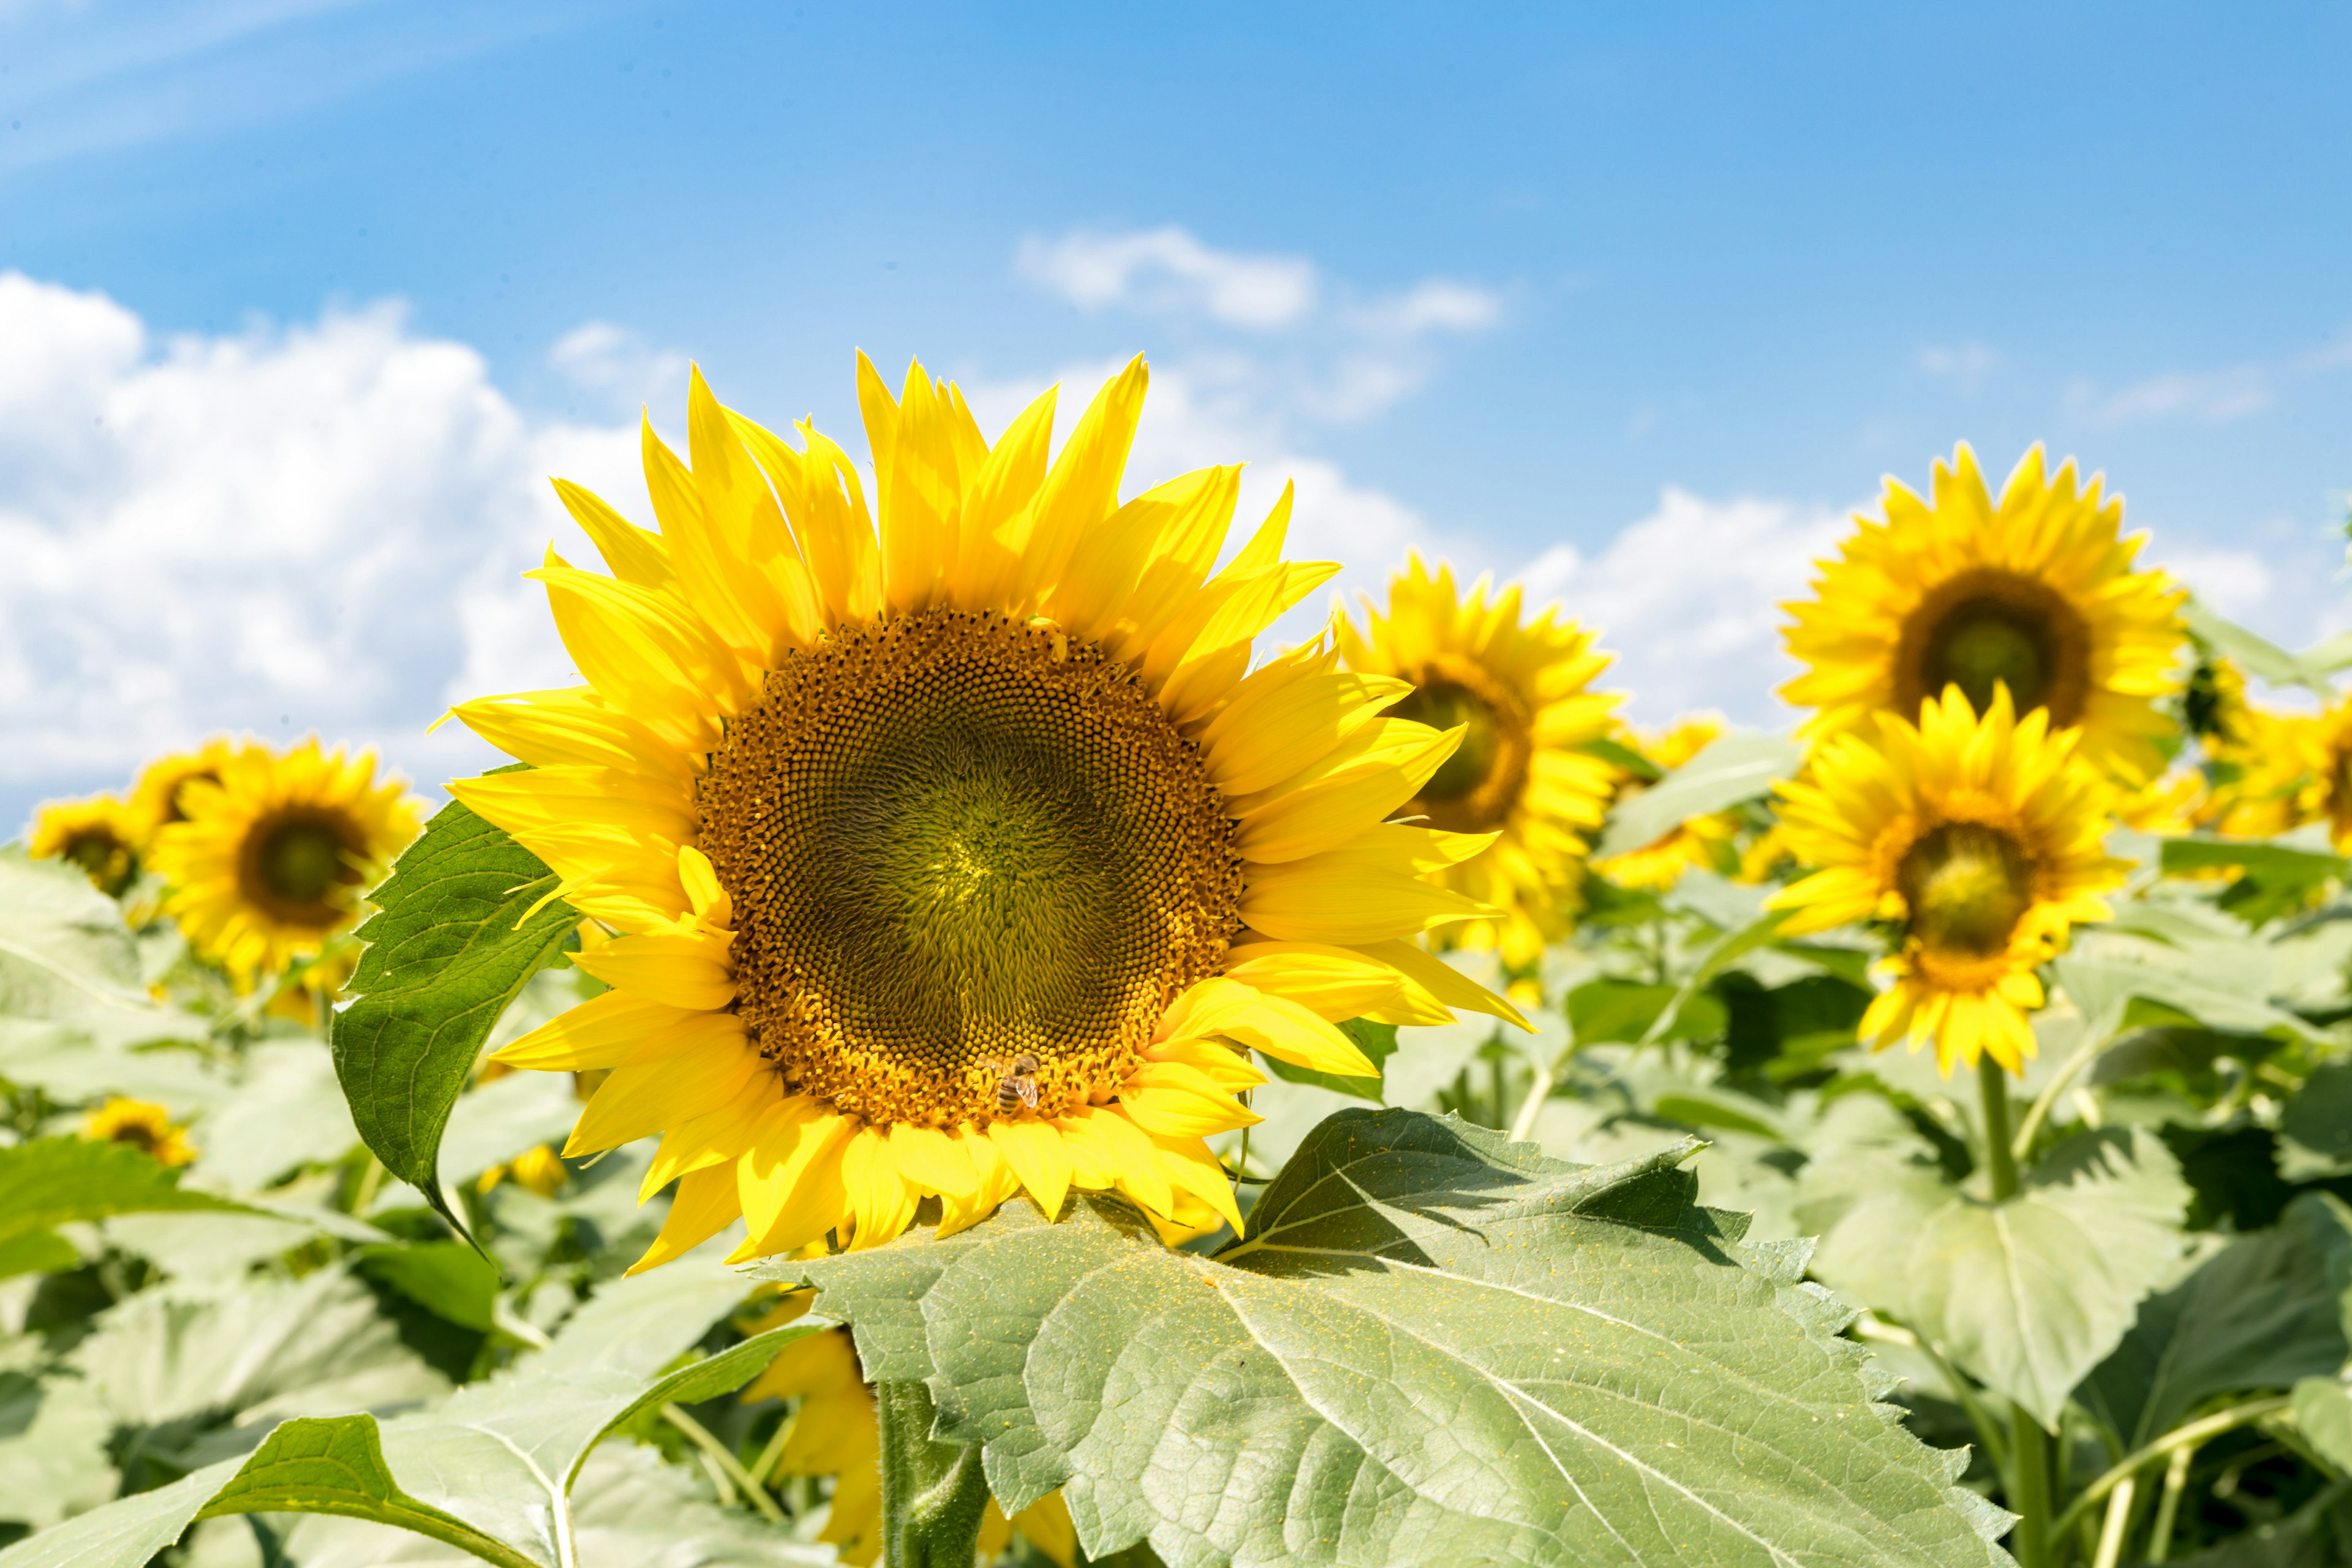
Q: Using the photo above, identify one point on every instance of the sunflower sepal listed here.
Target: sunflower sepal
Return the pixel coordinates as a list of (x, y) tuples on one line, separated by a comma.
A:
[(463, 922)]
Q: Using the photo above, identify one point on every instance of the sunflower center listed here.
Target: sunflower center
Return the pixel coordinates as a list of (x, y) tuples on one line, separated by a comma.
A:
[(1991, 628), (953, 841), (295, 863), (1967, 885), (106, 857), (1475, 788)]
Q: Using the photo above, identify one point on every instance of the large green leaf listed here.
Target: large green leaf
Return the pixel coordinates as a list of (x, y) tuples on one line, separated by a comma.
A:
[(53, 1181), (2027, 1295), (1436, 1347), (53, 1437), (2223, 984), (67, 960), (496, 1464), (2261, 1312), (455, 937), (2315, 1125), (1734, 767)]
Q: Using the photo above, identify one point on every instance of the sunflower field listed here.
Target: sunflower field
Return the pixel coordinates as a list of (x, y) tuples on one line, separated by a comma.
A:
[(954, 1045)]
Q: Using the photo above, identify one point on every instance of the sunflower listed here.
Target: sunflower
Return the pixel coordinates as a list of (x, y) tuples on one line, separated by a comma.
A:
[(1981, 837), (964, 860), (144, 1126), (835, 1432), (1519, 692), (537, 1168), (273, 855), (100, 835), (1701, 841), (2037, 593), (2289, 770), (155, 794)]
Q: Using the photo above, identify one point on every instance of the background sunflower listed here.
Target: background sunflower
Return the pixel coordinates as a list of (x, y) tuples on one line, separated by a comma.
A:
[(101, 834), (2036, 593), (1519, 691)]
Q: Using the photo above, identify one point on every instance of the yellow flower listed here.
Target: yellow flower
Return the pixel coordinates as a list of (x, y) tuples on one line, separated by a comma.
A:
[(2036, 593), (145, 1127), (537, 1168), (1519, 692), (2291, 769), (836, 1433), (155, 796), (273, 855), (1981, 837), (963, 860), (2171, 803), (100, 835), (1702, 841)]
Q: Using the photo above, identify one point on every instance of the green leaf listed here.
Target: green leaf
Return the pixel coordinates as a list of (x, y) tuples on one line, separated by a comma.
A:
[(53, 1181), (1436, 1346), (67, 958), (446, 1278), (453, 938), (1378, 1041), (1734, 767), (2261, 1312), (2322, 1409), (2274, 879), (2315, 1125), (2224, 985), (2027, 1295), (2262, 659), (1631, 1012), (492, 1469), (53, 1445)]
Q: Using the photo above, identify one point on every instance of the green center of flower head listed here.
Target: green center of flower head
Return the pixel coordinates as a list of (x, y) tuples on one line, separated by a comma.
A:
[(953, 841), (1981, 651), (1472, 790), (1967, 885), (1988, 627), (294, 864)]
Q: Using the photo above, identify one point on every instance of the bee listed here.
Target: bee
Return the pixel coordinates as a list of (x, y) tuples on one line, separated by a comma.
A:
[(1018, 1084)]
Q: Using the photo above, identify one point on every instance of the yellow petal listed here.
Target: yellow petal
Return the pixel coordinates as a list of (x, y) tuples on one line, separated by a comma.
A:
[(1035, 1151), (1268, 735), (1274, 1025), (791, 1176), (601, 1032), (878, 1195), (1446, 985), (705, 1203), (683, 971), (1082, 487), (935, 1162), (1352, 787), (633, 554), (1330, 982), (996, 520), (1336, 899), (638, 1099)]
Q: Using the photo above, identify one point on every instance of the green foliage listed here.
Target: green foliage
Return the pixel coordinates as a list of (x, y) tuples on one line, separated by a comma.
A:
[(1377, 1041), (1734, 767), (67, 964), (55, 1181), (462, 924), (1435, 1346)]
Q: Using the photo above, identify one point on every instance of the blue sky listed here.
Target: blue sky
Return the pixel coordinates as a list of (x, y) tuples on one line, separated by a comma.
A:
[(1636, 301)]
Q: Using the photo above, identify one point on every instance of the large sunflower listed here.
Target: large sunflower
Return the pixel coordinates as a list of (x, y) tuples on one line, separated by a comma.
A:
[(2036, 593), (1981, 837), (956, 861), (1518, 691), (273, 853), (100, 835)]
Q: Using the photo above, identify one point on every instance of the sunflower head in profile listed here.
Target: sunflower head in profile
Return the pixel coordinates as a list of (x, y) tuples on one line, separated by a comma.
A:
[(273, 855), (1980, 838), (2035, 592), (959, 852), (2289, 769), (1704, 842), (145, 1126), (1518, 689), (101, 834), (155, 794)]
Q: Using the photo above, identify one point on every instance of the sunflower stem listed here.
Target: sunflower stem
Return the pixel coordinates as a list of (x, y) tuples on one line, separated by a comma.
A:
[(2028, 1443), (933, 1494)]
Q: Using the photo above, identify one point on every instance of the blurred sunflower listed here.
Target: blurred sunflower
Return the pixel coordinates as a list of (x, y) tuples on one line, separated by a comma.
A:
[(145, 1126), (1701, 841), (1517, 690), (2290, 769), (155, 794), (1981, 837), (2036, 593), (965, 860), (100, 835), (835, 1432), (273, 855), (537, 1168)]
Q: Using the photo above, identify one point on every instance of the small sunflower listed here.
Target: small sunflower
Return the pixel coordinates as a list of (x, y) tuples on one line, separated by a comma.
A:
[(836, 1432), (1981, 837), (2290, 769), (1518, 691), (968, 859), (537, 1168), (1701, 841), (155, 794), (2036, 593), (146, 1126), (100, 835), (273, 855)]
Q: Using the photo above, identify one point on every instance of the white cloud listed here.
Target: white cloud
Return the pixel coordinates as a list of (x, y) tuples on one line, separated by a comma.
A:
[(2234, 582), (313, 527), (1434, 305), (2215, 398), (1689, 598), (1965, 364), (618, 364), (1169, 269)]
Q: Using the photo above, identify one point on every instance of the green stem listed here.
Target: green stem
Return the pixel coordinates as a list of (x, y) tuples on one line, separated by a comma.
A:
[(2112, 1531), (2029, 1444), (933, 1494), (2168, 1505), (2176, 1440), (724, 1459)]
